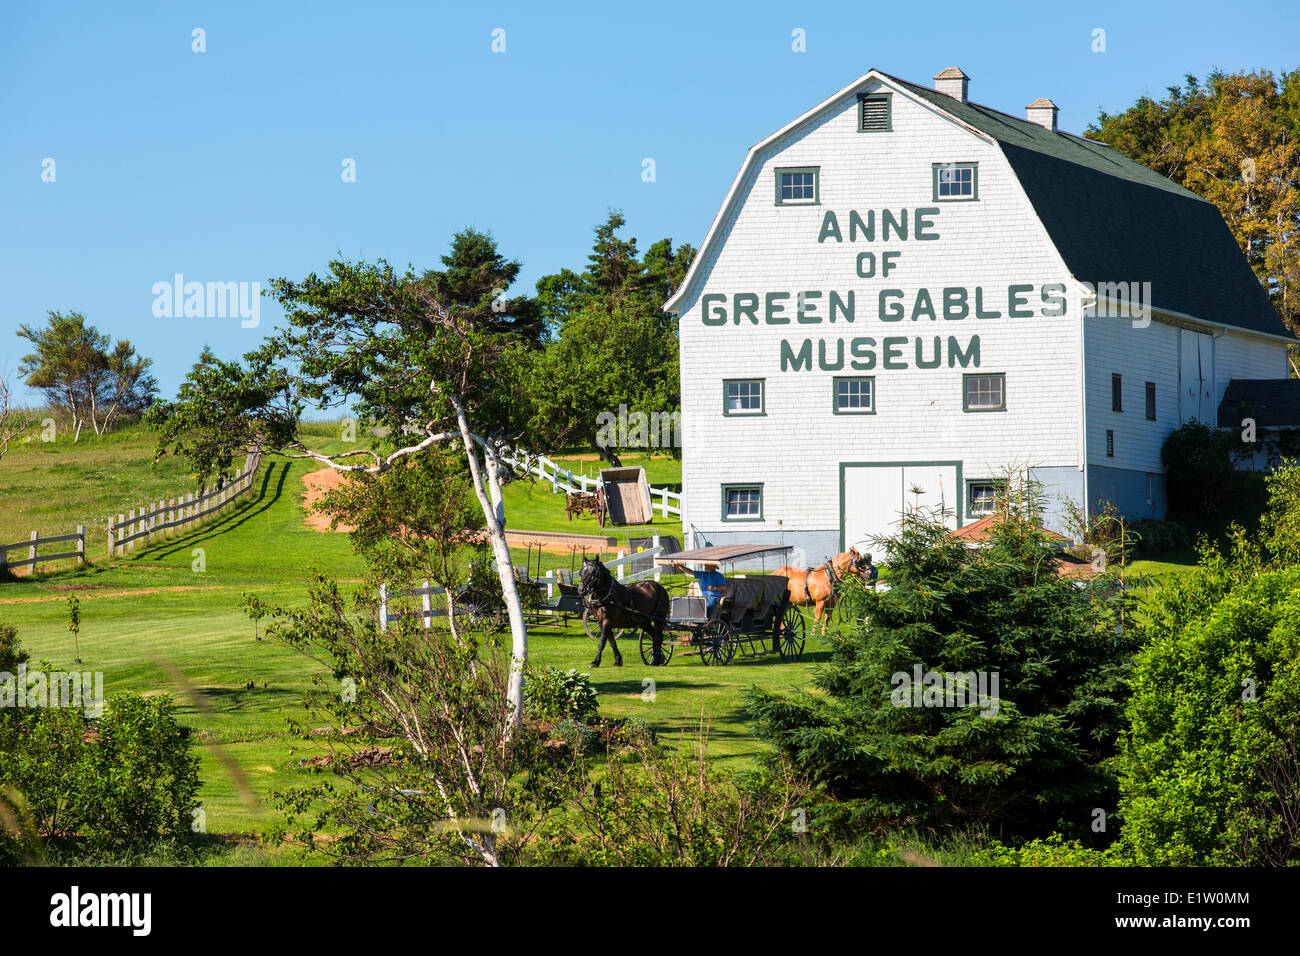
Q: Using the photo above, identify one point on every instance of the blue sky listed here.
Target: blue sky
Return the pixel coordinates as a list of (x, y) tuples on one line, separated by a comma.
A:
[(226, 165)]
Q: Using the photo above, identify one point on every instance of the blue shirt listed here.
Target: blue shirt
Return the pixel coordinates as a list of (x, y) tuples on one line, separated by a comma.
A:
[(711, 584)]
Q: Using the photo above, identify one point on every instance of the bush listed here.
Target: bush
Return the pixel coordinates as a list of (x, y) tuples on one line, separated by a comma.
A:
[(582, 740), (1153, 536), (1198, 468), (554, 694), (1210, 757), (123, 782)]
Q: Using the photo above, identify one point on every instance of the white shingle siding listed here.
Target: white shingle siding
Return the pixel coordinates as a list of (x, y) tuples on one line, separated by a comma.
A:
[(1246, 356), (1139, 355)]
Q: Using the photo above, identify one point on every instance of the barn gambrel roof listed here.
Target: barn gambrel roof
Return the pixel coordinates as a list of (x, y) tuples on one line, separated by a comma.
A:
[(1111, 219)]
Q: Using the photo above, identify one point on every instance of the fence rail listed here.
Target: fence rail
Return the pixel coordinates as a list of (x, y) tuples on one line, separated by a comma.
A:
[(137, 524), (35, 541), (562, 479)]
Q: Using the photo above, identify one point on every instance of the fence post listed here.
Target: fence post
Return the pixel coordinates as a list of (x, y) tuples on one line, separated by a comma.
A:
[(620, 567), (81, 544), (654, 542), (121, 523), (31, 551), (428, 606), (383, 607), (110, 536)]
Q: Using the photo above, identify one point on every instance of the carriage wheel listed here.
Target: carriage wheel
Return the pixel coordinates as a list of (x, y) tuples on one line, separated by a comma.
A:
[(790, 637), (481, 610), (715, 644), (648, 649)]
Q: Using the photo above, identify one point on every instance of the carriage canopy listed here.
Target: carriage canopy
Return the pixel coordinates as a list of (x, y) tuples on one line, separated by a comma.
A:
[(724, 554)]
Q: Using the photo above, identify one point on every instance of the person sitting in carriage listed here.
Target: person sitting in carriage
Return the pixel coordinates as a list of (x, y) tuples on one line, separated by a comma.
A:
[(713, 584)]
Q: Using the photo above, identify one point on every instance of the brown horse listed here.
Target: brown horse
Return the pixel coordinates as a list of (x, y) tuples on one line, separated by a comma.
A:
[(816, 586), (644, 606)]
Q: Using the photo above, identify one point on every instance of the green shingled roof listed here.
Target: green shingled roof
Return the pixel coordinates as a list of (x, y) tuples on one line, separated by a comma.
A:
[(1114, 220)]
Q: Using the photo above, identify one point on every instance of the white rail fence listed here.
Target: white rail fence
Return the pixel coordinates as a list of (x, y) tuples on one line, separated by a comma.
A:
[(668, 503), (427, 592), (184, 513), (35, 541)]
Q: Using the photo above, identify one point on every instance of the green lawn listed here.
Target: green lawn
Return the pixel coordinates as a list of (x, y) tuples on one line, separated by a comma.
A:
[(150, 623)]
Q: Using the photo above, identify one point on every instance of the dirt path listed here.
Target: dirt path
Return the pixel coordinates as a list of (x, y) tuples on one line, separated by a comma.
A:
[(315, 484)]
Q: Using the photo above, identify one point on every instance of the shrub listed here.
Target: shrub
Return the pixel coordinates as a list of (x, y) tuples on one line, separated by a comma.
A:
[(552, 693), (581, 739), (124, 782), (140, 778), (1210, 757), (1198, 468), (1153, 536)]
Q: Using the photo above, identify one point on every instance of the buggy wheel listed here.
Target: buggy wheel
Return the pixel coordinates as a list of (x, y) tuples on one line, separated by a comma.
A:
[(648, 649), (481, 609), (790, 636), (715, 644)]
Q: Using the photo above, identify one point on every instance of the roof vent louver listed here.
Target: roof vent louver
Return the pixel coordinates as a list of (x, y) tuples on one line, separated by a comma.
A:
[(874, 113)]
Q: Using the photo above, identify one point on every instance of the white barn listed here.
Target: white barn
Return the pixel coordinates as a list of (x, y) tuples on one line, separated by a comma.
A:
[(904, 289)]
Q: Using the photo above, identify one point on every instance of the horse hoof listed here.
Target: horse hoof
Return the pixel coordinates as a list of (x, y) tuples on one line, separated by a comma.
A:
[(618, 662), (594, 664)]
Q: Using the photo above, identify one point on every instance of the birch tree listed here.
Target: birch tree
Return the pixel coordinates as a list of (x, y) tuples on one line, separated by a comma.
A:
[(366, 337)]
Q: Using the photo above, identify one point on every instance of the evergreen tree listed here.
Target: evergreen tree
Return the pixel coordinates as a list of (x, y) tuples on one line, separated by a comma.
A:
[(1033, 756)]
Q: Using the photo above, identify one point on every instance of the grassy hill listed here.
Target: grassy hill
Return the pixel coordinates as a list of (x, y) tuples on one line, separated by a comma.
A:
[(150, 623)]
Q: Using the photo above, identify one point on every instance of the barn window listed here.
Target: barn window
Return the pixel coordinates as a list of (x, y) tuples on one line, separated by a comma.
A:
[(855, 396), (985, 393), (796, 186), (981, 496), (875, 114), (742, 502), (1116, 393), (1110, 443), (1151, 401), (954, 182), (742, 396)]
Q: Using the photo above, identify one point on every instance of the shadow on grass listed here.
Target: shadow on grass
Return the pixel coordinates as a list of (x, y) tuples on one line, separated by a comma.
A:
[(257, 506)]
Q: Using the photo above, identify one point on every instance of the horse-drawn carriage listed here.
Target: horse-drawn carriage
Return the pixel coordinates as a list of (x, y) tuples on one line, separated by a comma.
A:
[(754, 616)]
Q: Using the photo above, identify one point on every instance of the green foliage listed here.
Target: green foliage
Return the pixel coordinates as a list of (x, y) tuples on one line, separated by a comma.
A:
[(123, 782), (673, 809), (552, 693), (1053, 850), (1280, 526), (474, 283), (1210, 754), (613, 345), (140, 777), (581, 739), (83, 373), (1154, 536), (1198, 468), (1041, 762)]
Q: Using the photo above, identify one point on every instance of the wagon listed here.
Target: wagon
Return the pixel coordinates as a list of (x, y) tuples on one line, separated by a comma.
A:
[(754, 616)]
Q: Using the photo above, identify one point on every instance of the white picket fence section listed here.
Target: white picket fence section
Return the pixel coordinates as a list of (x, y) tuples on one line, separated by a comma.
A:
[(35, 541), (668, 503), (162, 516), (426, 593)]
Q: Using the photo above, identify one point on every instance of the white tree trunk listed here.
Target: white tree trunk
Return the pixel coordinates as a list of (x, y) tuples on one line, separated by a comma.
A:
[(493, 506)]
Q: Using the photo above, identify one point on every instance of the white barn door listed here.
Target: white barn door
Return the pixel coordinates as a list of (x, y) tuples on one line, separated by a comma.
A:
[(875, 496), (1196, 377)]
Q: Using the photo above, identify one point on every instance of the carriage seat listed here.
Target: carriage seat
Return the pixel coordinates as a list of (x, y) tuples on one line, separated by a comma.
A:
[(688, 610)]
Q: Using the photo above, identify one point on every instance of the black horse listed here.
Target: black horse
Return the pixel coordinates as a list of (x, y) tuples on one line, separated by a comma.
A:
[(643, 605)]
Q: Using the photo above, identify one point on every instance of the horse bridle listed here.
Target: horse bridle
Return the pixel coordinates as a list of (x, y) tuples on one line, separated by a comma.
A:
[(589, 599)]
